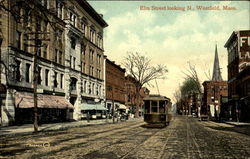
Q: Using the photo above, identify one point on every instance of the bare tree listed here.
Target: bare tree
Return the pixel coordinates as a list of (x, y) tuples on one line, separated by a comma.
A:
[(139, 67), (191, 73)]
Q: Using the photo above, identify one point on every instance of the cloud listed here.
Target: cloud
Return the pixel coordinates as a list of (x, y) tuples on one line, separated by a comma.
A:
[(186, 36)]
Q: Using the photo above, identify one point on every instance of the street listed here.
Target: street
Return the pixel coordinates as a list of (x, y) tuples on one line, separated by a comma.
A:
[(183, 138)]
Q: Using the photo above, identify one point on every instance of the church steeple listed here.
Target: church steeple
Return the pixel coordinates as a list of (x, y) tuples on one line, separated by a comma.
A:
[(216, 70)]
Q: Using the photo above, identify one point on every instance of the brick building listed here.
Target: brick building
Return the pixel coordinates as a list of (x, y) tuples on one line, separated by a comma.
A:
[(131, 98), (238, 47), (213, 90), (69, 63), (115, 85)]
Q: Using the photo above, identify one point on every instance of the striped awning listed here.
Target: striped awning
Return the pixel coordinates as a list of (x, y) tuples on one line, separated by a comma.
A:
[(26, 100), (87, 106)]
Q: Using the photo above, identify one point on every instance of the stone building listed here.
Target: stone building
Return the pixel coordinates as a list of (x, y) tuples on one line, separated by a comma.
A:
[(115, 85), (69, 63), (238, 46), (213, 90)]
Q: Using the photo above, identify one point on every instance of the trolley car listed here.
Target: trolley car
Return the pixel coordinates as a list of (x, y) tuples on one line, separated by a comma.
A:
[(156, 110)]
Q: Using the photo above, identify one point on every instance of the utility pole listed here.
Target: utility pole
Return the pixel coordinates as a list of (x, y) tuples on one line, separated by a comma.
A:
[(110, 88), (113, 105)]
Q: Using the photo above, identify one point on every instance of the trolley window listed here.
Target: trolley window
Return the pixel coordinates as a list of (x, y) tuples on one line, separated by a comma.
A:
[(154, 107), (162, 106), (147, 106)]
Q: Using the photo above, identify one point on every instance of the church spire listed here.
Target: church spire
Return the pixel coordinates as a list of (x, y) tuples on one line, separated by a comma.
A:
[(216, 70)]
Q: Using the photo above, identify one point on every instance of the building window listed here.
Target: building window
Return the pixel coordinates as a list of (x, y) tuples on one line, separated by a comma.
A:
[(100, 90), (61, 81), (74, 62), (85, 86), (55, 80), (70, 62), (84, 67), (73, 43), (17, 72), (73, 83), (45, 51), (93, 88), (73, 19), (18, 39), (90, 88), (39, 78), (46, 77), (59, 7), (84, 28), (39, 51), (55, 58), (27, 72), (25, 42), (60, 57)]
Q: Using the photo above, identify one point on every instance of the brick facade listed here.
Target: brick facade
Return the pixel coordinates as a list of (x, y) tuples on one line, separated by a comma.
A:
[(213, 91), (238, 46), (115, 78)]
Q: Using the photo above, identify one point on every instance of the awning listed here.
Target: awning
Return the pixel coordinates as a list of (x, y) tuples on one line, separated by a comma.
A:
[(86, 106), (26, 100), (122, 106)]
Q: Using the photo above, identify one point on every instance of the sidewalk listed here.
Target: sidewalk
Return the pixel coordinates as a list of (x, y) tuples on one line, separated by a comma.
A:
[(236, 123), (29, 129)]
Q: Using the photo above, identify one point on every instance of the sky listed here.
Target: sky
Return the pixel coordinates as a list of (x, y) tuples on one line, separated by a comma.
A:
[(172, 37)]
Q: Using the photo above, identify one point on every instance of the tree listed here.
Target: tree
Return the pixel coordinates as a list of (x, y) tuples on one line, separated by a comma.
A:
[(139, 67), (188, 86), (193, 78)]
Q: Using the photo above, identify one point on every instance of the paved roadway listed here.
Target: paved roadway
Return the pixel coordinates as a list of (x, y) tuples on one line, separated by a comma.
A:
[(183, 138)]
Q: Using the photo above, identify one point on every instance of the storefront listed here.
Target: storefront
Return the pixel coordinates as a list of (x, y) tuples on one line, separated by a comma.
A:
[(50, 108), (93, 111)]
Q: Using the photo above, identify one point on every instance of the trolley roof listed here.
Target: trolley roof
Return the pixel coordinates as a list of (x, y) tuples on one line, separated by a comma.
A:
[(156, 97)]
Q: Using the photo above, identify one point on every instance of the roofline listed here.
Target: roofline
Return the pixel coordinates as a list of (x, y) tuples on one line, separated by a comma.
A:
[(92, 12), (117, 66), (213, 81), (233, 34)]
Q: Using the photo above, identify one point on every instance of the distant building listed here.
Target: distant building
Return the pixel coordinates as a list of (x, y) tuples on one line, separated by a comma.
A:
[(131, 98), (115, 85), (238, 47), (213, 90)]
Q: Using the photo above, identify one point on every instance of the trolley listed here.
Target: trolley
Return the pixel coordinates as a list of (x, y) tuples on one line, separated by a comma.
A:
[(156, 110)]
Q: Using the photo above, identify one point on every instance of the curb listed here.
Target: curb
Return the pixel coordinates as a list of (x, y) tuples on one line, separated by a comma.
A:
[(64, 128)]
